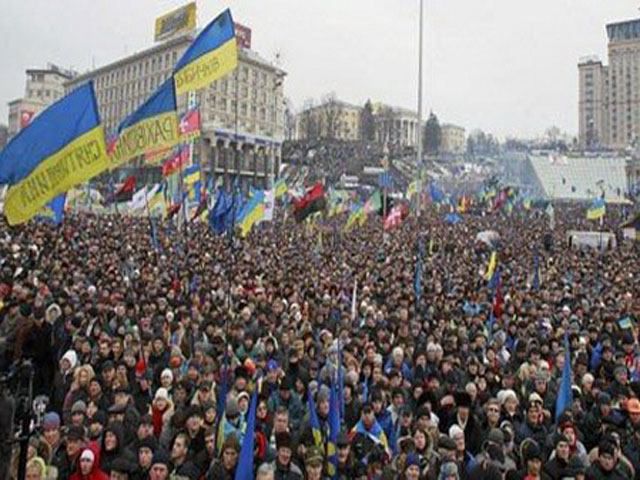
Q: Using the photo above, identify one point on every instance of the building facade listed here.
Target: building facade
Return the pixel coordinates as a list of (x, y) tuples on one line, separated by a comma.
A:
[(453, 139), (242, 114), (43, 86), (395, 126), (333, 119), (609, 96)]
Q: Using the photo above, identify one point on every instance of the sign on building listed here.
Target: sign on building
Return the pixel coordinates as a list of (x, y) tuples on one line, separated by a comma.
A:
[(178, 21)]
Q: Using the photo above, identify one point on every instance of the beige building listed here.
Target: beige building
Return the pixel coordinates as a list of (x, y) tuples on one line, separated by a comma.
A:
[(242, 114), (609, 96), (43, 87), (331, 119), (453, 139)]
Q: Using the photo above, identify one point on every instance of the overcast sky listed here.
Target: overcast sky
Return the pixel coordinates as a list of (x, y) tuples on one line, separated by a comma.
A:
[(506, 66)]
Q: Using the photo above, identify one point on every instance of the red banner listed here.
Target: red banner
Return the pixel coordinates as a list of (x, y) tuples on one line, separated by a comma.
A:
[(190, 124), (174, 164)]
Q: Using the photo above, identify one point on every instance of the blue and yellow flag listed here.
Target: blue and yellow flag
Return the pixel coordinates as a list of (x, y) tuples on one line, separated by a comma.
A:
[(252, 213), (64, 146), (313, 420), (491, 267), (596, 210), (212, 55), (281, 188), (191, 176), (54, 210), (245, 460), (152, 127)]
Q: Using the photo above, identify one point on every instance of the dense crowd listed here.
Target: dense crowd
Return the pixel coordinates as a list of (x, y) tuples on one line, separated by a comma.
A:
[(331, 159), (133, 346)]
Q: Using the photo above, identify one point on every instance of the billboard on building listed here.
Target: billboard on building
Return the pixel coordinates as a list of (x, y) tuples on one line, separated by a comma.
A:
[(178, 21), (243, 35)]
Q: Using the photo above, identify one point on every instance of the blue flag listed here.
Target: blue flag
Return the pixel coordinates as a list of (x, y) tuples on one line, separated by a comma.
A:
[(385, 180), (536, 272), (436, 194), (417, 281), (221, 399), (218, 216), (54, 210), (313, 420), (244, 471), (452, 218), (495, 280), (565, 395), (334, 432)]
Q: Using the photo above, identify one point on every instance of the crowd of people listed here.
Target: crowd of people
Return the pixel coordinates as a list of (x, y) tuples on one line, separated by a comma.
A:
[(150, 357), (330, 159)]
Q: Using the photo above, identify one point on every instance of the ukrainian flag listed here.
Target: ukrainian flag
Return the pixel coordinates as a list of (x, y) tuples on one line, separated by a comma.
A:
[(212, 55), (358, 216), (491, 268), (64, 146), (191, 175), (597, 209), (281, 188), (252, 213), (152, 127)]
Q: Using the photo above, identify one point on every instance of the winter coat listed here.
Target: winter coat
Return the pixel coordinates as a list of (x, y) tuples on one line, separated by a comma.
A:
[(96, 473)]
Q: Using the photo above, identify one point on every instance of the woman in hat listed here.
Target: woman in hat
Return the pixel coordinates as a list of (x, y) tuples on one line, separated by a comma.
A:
[(161, 411)]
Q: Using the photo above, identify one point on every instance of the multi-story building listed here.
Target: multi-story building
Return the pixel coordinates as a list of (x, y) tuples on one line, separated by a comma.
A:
[(341, 121), (453, 139), (242, 114), (609, 106), (43, 87), (593, 117), (395, 126), (331, 119)]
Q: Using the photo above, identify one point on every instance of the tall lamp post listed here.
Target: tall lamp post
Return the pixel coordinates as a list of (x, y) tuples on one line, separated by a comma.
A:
[(419, 139)]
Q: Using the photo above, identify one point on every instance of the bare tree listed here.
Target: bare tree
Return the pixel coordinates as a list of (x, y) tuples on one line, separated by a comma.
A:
[(309, 127), (289, 119), (332, 113)]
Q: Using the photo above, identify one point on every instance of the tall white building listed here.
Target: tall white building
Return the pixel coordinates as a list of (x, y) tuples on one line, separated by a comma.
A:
[(609, 96), (242, 114)]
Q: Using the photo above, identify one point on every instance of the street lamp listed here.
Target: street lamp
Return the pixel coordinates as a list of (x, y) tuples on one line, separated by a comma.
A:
[(419, 146)]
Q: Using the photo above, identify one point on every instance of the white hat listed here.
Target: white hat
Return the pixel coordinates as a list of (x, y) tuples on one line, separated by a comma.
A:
[(87, 454), (70, 356), (161, 394), (455, 431), (167, 373), (504, 395)]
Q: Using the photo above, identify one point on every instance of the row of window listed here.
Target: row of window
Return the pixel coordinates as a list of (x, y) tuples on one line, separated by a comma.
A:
[(155, 64)]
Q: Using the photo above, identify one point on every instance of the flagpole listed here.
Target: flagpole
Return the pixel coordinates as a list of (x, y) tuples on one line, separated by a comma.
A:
[(419, 133)]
